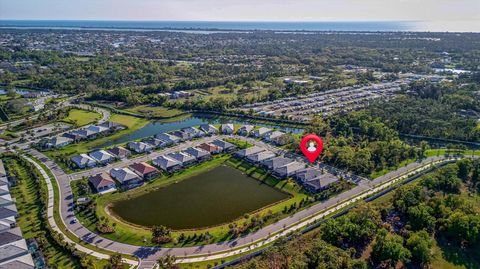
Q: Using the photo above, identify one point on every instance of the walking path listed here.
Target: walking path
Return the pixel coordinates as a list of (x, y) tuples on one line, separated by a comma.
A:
[(148, 255)]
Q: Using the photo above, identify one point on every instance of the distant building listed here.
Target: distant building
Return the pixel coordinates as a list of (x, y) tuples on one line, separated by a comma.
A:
[(244, 153)]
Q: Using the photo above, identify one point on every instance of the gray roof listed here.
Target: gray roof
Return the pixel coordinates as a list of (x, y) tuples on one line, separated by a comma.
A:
[(165, 162), (264, 155), (58, 140), (82, 159), (196, 152), (181, 157), (276, 162), (290, 168), (222, 144), (9, 237), (308, 174), (16, 265), (249, 151), (3, 173), (123, 175), (322, 181), (6, 212), (246, 128), (9, 252), (101, 155), (208, 128), (167, 137)]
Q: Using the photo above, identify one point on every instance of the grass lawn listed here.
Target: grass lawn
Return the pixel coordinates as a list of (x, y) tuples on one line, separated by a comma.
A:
[(155, 111), (436, 152), (390, 169), (30, 219), (132, 123), (141, 236), (80, 117)]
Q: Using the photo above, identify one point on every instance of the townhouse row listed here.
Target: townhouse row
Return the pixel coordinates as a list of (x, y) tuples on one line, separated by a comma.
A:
[(137, 173), (312, 178)]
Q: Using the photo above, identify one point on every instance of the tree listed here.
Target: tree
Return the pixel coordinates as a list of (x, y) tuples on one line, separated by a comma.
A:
[(389, 249), (419, 244), (115, 261), (167, 261)]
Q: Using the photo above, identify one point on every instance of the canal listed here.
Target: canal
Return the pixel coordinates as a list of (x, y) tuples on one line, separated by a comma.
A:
[(157, 127), (214, 197)]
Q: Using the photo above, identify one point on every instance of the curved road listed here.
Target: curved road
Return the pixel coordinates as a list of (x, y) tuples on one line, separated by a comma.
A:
[(148, 255)]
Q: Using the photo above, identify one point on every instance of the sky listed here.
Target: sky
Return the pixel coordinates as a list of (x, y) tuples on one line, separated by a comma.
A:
[(467, 11)]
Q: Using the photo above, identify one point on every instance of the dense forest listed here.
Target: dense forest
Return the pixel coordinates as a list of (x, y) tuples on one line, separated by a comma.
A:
[(434, 109)]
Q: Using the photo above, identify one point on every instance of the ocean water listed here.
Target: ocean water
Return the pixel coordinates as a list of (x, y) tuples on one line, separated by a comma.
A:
[(211, 25)]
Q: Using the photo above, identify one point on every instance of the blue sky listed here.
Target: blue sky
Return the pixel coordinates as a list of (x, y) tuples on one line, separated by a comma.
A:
[(239, 10)]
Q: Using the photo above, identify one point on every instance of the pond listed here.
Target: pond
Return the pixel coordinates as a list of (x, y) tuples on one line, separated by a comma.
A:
[(214, 197), (154, 128)]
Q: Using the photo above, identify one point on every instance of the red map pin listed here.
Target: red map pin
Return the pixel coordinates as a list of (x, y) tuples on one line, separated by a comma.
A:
[(311, 146)]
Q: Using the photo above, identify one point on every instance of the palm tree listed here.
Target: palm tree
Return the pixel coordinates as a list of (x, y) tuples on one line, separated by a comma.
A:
[(166, 262), (115, 261)]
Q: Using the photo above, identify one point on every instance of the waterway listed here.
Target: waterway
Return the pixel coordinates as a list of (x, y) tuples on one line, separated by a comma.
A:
[(214, 197), (157, 127)]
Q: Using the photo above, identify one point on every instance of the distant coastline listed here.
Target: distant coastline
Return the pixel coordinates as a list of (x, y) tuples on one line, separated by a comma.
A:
[(209, 26), (246, 26)]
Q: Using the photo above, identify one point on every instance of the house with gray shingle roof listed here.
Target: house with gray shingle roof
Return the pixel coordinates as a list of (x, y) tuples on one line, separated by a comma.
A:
[(167, 164), (126, 177), (288, 170), (261, 132), (226, 147), (102, 156), (184, 158), (276, 162), (209, 129), (227, 128), (198, 153), (244, 153), (261, 156), (83, 161), (245, 130)]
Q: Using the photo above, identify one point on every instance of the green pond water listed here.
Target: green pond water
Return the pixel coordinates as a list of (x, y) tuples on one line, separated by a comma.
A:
[(214, 197)]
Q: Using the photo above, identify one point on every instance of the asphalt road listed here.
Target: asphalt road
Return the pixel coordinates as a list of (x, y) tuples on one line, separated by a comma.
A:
[(150, 254)]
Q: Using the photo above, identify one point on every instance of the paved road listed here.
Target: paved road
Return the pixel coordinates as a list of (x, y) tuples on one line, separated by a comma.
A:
[(105, 117), (149, 254)]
